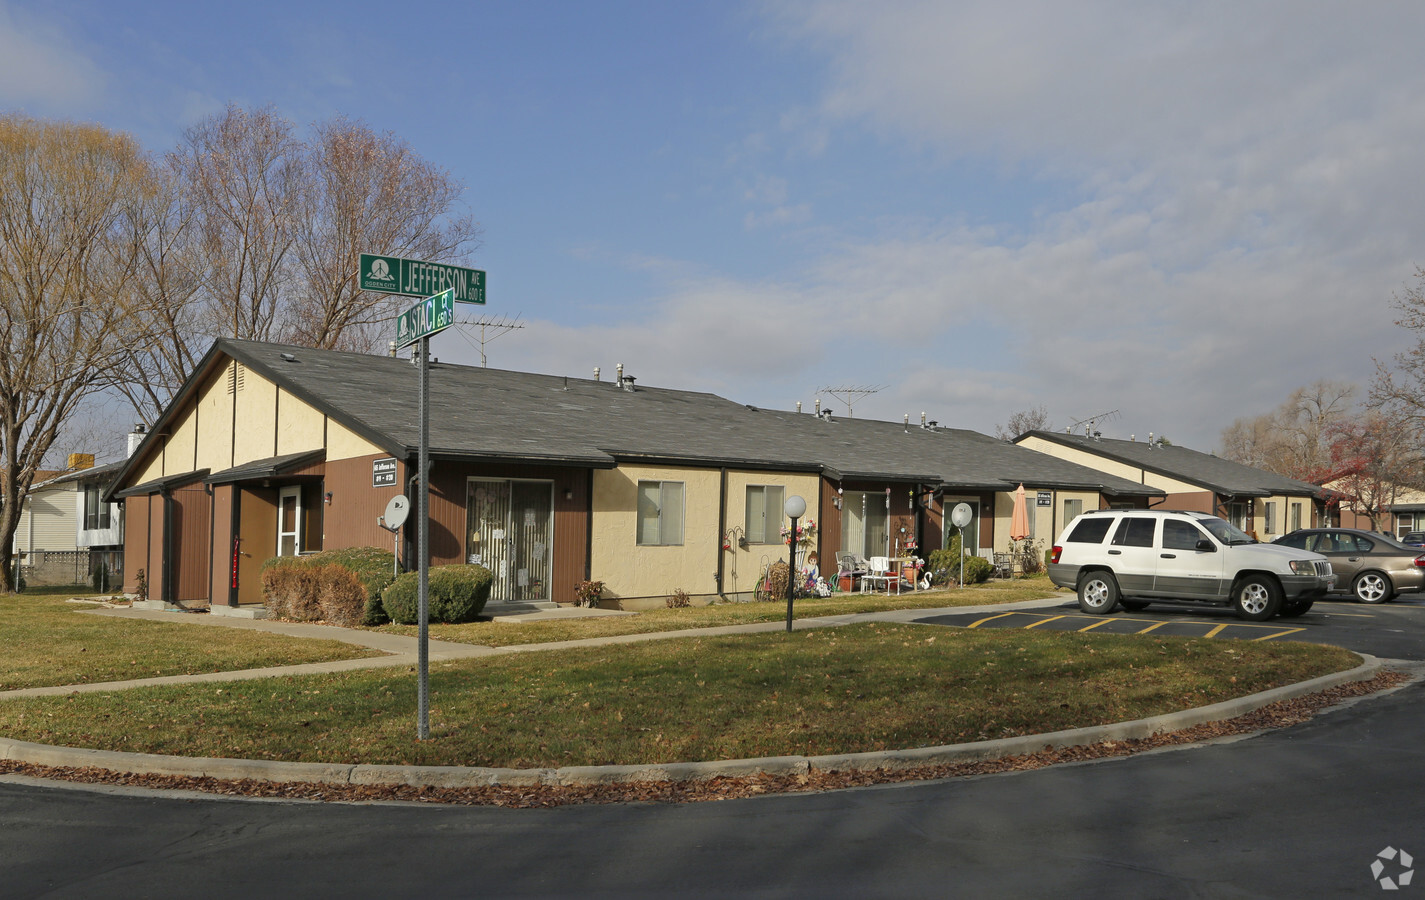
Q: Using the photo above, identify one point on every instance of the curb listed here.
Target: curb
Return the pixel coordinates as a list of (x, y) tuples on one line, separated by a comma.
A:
[(461, 776)]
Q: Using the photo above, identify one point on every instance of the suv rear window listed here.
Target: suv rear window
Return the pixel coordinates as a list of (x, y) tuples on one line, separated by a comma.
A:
[(1090, 531)]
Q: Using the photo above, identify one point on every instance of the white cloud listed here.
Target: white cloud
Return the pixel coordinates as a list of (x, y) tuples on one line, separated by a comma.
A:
[(41, 70)]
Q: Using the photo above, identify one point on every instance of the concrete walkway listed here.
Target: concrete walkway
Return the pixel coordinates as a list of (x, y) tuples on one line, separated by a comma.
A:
[(401, 650)]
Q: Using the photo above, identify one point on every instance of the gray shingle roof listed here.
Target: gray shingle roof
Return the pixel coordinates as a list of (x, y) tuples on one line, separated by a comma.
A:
[(480, 413), (1222, 476)]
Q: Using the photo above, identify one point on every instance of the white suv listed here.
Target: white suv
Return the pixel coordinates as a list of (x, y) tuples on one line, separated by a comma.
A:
[(1134, 556)]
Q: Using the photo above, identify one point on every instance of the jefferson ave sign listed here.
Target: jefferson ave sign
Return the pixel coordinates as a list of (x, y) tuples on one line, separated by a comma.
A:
[(397, 275), (432, 314)]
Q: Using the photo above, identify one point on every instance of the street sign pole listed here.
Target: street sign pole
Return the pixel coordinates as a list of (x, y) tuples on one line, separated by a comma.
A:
[(423, 553)]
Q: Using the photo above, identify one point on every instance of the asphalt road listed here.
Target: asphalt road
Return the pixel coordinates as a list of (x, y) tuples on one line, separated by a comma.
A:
[(1300, 812)]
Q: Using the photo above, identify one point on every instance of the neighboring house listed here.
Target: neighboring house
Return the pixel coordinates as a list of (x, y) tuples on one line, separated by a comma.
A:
[(67, 530), (1402, 510), (271, 450), (1259, 502)]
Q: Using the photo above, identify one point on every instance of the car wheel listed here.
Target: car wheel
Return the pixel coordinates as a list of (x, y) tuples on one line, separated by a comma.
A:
[(1257, 598), (1296, 608), (1098, 593), (1372, 587), (1134, 605)]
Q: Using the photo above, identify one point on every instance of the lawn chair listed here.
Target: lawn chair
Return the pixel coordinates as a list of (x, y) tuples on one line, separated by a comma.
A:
[(848, 567), (879, 572), (1004, 565)]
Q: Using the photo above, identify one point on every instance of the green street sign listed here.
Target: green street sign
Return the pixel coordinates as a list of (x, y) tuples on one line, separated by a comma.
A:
[(435, 313), (397, 275)]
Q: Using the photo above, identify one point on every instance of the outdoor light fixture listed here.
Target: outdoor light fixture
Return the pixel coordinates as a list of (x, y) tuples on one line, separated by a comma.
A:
[(329, 498), (795, 508), (568, 494)]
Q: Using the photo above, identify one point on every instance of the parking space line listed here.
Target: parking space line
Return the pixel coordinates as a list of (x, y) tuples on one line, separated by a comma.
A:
[(988, 619), (1096, 624), (1213, 632), (1151, 627), (1268, 637), (1042, 621)]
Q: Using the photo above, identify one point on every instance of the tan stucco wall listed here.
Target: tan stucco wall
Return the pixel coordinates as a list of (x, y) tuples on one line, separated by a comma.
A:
[(743, 566), (300, 427), (215, 416), (629, 570), (342, 443), (1083, 458), (256, 420), (178, 451)]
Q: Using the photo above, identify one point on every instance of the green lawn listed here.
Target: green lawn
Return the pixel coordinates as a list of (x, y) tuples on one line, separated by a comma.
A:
[(47, 641), (504, 634), (862, 687)]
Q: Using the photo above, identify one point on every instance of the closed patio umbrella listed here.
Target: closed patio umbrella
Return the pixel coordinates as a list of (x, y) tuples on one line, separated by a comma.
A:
[(1019, 522)]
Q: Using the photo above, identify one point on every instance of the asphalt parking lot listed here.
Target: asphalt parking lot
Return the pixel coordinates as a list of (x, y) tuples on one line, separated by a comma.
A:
[(1394, 630)]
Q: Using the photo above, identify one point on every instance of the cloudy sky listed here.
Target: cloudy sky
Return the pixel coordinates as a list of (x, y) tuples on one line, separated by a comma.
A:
[(1177, 211)]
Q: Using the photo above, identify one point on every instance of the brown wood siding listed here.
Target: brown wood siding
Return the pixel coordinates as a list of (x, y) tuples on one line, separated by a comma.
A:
[(1193, 501), (136, 549), (222, 544), (191, 556), (828, 541), (350, 519), (571, 536), (157, 513)]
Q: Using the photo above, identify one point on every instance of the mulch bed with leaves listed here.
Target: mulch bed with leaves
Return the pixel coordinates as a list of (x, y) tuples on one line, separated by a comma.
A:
[(1276, 715)]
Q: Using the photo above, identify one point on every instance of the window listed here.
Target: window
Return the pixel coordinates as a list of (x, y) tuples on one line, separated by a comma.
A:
[(865, 529), (1295, 516), (1073, 509), (96, 512), (289, 521), (764, 513), (1298, 541), (1179, 535), (1271, 517), (1090, 531), (660, 513), (1135, 531)]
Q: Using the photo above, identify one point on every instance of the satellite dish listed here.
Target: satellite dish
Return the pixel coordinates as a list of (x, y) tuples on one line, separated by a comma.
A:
[(396, 512), (960, 516)]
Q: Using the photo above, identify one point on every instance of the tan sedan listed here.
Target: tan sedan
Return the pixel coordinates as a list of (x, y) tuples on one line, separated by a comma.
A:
[(1371, 566)]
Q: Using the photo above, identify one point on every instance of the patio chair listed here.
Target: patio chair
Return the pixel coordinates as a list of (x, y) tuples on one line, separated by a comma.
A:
[(1004, 565), (879, 572)]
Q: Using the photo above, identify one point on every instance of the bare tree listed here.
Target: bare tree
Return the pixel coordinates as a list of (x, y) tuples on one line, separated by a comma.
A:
[(372, 193), (244, 175), (67, 195), (1400, 390), (1373, 464), (1032, 419), (1295, 438)]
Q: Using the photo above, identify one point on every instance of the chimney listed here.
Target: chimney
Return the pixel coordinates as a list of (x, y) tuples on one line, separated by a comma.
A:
[(135, 438)]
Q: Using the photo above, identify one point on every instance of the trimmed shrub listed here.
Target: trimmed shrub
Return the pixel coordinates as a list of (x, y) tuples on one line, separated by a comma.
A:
[(339, 586), (457, 594), (978, 569)]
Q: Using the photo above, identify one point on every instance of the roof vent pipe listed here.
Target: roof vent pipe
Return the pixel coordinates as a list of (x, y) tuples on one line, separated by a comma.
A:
[(907, 422), (626, 382), (391, 349), (799, 406), (620, 373), (818, 407), (1150, 440), (596, 373), (1133, 438)]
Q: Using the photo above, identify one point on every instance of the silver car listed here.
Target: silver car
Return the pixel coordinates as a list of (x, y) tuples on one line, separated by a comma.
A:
[(1372, 566)]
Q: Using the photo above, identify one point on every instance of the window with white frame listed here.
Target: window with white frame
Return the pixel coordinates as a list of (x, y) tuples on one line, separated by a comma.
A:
[(96, 512), (764, 513), (1295, 516), (1271, 517), (1072, 509), (660, 513)]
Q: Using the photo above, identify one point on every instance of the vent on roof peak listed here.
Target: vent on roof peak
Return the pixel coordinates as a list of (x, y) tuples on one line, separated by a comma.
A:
[(289, 357)]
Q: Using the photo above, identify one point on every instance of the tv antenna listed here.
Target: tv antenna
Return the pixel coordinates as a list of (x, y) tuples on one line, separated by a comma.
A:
[(850, 394), (1091, 423), (490, 329)]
